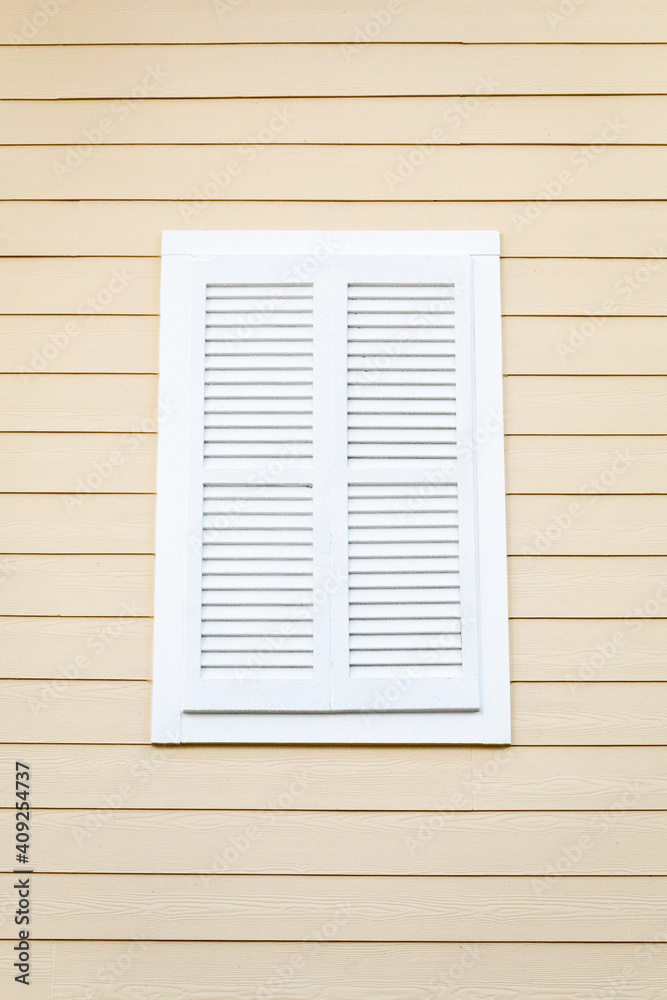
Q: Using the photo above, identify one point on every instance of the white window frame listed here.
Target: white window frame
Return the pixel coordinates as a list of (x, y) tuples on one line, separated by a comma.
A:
[(173, 724)]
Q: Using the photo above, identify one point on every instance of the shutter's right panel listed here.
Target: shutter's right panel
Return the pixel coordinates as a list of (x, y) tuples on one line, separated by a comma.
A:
[(410, 497)]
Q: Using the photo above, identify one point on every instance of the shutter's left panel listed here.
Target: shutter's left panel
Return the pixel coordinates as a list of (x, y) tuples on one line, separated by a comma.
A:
[(256, 637)]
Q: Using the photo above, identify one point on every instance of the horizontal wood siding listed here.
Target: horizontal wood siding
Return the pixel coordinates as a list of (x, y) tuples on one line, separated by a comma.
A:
[(246, 872)]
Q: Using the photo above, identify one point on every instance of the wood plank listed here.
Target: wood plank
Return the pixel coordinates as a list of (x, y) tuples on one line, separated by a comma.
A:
[(591, 714), (338, 120), (319, 966), (540, 587), (72, 648), (552, 587), (565, 229), (623, 587), (533, 404), (62, 711), (275, 779), (83, 403), (532, 345), (77, 463), (571, 649), (542, 649), (55, 523), (585, 464), (561, 287), (41, 972), (203, 22), (474, 21), (271, 779), (327, 172), (543, 713), (139, 842), (594, 21), (587, 525), (596, 288), (586, 404), (239, 70), (87, 585), (55, 462), (582, 777), (383, 908), (79, 344), (91, 286), (558, 345)]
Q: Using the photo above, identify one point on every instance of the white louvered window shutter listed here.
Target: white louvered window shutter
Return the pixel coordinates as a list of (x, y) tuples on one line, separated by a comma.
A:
[(404, 486), (330, 542)]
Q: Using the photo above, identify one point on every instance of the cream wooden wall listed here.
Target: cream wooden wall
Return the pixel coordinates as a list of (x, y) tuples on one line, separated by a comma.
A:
[(248, 873)]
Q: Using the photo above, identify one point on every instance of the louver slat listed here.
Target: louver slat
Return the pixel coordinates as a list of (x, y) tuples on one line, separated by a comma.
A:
[(238, 575), (406, 364), (397, 512), (401, 378), (259, 645), (258, 393)]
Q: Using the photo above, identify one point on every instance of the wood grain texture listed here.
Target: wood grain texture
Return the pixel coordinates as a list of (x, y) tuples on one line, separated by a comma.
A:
[(583, 777), (383, 908), (562, 287), (585, 464), (587, 405), (62, 711), (625, 841), (532, 345), (587, 525), (560, 229), (63, 523), (239, 70), (583, 649), (380, 872), (582, 345), (540, 587), (277, 779), (625, 587), (592, 714), (41, 972), (103, 286), (541, 649), (87, 585), (79, 463), (544, 405), (313, 968), (337, 120), (73, 648), (474, 20), (537, 525), (78, 344), (83, 403), (58, 711), (272, 779), (332, 172)]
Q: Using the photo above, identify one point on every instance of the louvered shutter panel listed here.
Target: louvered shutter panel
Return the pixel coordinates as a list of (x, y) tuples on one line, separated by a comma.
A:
[(256, 639), (404, 487), (331, 562)]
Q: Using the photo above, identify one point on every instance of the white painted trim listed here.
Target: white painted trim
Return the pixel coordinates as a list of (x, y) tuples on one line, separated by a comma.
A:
[(354, 727), (171, 548), (324, 244), (489, 450)]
